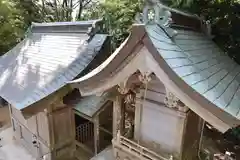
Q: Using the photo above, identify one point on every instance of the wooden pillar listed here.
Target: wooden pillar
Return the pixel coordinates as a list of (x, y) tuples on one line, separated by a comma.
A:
[(138, 114), (117, 115), (48, 111), (96, 135), (10, 114)]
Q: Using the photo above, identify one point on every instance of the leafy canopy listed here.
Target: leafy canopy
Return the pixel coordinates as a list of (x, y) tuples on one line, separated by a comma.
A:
[(11, 21), (118, 16), (224, 15)]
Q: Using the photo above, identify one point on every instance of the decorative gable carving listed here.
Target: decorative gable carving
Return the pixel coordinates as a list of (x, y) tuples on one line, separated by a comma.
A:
[(172, 101), (155, 13)]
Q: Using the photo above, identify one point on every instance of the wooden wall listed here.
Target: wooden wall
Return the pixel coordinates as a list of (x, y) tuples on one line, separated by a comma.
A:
[(62, 132), (191, 136), (54, 129), (157, 126), (25, 131), (162, 128)]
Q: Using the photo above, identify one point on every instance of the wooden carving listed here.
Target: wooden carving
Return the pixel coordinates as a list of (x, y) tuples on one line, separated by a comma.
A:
[(123, 88), (156, 13), (145, 77), (172, 101)]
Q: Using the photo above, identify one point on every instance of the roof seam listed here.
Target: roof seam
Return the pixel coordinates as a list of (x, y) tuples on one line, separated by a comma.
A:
[(238, 112), (162, 40), (200, 70), (220, 79), (192, 64), (224, 78), (196, 49), (164, 35), (206, 78), (80, 57), (227, 86), (232, 96), (181, 50)]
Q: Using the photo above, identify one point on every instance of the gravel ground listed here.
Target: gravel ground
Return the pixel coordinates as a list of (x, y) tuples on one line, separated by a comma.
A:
[(9, 149)]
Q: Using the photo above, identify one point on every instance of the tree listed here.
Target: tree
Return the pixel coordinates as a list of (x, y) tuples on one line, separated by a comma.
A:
[(62, 10), (224, 16), (56, 10), (82, 4), (30, 11), (17, 15), (117, 15), (11, 28)]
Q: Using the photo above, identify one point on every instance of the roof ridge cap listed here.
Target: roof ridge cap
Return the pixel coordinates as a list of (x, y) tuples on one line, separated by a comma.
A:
[(68, 23), (90, 27)]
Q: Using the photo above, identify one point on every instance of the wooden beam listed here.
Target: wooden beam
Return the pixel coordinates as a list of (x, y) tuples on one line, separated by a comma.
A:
[(96, 135), (117, 115)]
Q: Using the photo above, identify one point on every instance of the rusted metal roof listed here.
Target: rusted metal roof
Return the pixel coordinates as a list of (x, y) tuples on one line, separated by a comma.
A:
[(51, 55), (202, 65)]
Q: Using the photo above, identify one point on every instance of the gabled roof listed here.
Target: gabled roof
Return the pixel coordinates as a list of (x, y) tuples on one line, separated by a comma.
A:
[(51, 55), (184, 58), (202, 65)]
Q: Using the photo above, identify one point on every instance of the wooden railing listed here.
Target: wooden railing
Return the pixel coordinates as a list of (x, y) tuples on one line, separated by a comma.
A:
[(84, 132), (136, 150)]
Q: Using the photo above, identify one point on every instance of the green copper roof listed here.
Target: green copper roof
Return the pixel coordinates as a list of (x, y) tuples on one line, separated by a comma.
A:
[(53, 54), (202, 65), (90, 105)]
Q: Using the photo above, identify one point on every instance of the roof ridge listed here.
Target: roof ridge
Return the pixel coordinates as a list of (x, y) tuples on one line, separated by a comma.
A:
[(67, 23), (90, 27), (178, 11)]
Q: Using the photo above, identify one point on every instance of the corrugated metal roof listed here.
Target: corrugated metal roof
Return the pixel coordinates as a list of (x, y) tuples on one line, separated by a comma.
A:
[(44, 61), (90, 105), (202, 65)]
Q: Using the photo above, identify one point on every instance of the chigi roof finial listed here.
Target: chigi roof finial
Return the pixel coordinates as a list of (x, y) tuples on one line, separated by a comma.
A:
[(153, 13)]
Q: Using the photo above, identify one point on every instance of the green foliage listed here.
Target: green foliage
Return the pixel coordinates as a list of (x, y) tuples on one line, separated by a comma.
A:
[(225, 19), (224, 15), (17, 15), (118, 16), (30, 11), (11, 21)]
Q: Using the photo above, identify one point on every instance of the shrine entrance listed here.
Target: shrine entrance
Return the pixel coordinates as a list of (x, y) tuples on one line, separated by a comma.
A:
[(93, 119), (105, 127), (84, 134)]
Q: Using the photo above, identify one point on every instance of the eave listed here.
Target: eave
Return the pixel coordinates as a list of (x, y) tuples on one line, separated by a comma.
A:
[(139, 54)]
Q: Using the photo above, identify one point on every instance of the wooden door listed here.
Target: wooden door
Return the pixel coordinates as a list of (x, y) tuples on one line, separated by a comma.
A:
[(62, 132)]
